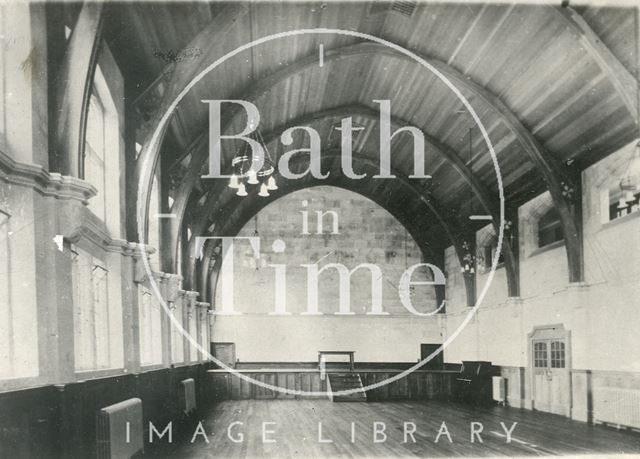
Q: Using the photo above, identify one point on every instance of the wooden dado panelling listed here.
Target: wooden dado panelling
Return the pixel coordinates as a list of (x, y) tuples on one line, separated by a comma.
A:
[(420, 385), (60, 421), (417, 385), (517, 390), (593, 393), (607, 397), (227, 386)]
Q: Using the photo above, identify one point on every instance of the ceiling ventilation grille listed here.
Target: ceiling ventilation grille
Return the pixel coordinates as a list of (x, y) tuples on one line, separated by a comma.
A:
[(404, 7)]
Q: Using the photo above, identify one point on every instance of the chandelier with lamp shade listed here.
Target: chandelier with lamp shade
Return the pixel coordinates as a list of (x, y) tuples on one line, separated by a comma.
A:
[(243, 173)]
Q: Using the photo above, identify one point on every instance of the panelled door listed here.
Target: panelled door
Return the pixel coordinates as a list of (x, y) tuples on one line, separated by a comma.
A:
[(550, 372)]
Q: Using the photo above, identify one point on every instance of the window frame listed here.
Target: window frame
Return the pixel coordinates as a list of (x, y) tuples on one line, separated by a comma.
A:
[(549, 221), (613, 196)]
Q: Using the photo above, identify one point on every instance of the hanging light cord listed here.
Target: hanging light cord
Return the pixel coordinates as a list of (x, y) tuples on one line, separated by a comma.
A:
[(470, 168), (637, 36)]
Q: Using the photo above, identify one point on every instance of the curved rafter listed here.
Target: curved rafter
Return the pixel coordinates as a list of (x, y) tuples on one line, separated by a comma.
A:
[(448, 154), (181, 73), (555, 177), (224, 206), (621, 79), (231, 227), (73, 89)]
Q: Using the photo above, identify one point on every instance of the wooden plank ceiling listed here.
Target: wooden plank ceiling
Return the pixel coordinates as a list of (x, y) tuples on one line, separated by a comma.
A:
[(525, 55)]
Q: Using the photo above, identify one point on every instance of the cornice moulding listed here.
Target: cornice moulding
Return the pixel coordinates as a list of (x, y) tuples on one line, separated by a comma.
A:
[(46, 183)]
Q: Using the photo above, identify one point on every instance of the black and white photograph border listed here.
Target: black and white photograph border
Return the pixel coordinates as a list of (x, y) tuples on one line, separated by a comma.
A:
[(403, 228)]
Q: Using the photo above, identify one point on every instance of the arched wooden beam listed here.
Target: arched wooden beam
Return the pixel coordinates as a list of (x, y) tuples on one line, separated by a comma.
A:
[(180, 75), (208, 279), (208, 273), (230, 212), (226, 206), (73, 89), (619, 76), (447, 153), (455, 237), (554, 176), (254, 91)]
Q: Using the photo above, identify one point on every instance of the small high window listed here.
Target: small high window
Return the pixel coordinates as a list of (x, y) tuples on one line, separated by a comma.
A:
[(101, 151), (549, 228), (621, 204), (94, 154), (489, 254)]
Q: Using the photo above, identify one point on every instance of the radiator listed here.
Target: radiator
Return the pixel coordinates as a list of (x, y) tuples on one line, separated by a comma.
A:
[(617, 406), (188, 395), (119, 430), (499, 389)]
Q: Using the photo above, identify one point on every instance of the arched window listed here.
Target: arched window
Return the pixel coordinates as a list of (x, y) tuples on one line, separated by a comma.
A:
[(489, 254), (549, 228), (101, 144), (94, 153)]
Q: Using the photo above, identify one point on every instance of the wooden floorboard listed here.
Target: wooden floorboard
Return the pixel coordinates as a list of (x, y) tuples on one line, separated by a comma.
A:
[(296, 431)]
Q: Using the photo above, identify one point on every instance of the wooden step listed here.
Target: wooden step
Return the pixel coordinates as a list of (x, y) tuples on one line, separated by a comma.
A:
[(338, 382)]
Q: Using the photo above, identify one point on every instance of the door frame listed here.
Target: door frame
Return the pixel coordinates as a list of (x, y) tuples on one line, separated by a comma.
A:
[(437, 363), (232, 346), (552, 331)]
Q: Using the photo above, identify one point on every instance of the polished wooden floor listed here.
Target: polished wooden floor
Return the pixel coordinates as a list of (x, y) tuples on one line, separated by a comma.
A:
[(296, 431)]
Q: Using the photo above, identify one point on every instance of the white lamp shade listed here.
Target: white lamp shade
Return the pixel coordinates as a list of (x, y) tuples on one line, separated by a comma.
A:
[(271, 184), (242, 191), (631, 179), (253, 177), (264, 192), (629, 196), (233, 181)]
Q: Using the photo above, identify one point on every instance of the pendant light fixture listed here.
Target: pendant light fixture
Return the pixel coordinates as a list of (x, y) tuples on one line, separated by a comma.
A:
[(243, 173), (630, 181), (469, 260), (242, 165)]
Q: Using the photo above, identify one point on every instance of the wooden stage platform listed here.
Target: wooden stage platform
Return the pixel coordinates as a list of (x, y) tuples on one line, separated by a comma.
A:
[(296, 424)]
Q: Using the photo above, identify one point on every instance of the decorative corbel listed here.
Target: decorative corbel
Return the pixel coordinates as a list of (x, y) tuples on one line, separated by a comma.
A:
[(191, 298), (140, 272), (173, 284)]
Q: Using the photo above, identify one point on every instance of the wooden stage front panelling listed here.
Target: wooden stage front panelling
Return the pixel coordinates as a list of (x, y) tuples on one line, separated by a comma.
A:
[(417, 385)]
